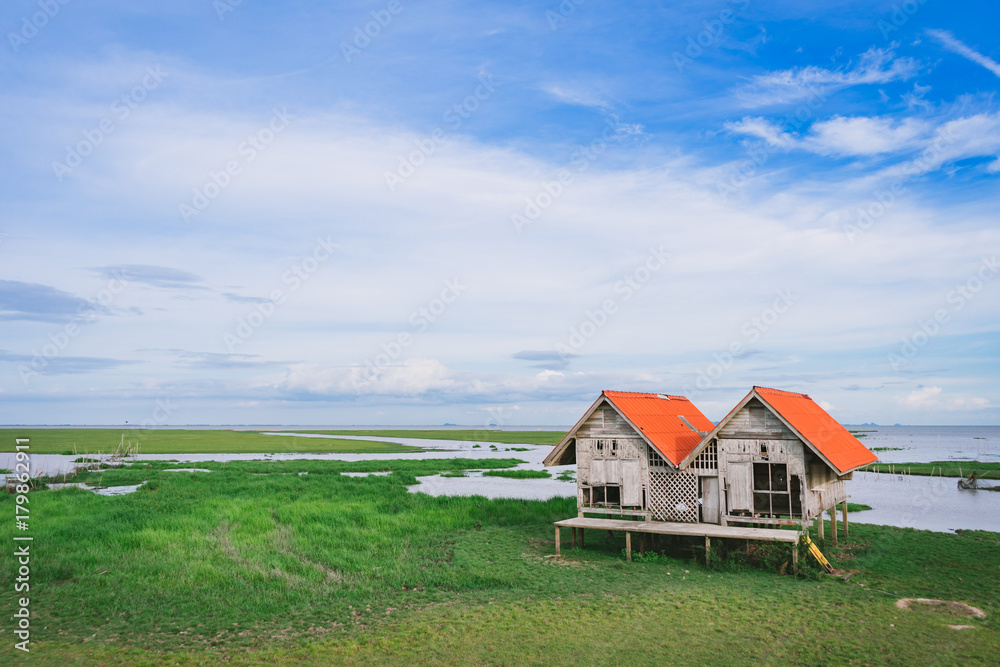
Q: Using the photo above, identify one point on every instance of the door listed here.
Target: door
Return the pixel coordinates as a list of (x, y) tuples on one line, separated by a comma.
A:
[(710, 499), (598, 476), (631, 483), (739, 485)]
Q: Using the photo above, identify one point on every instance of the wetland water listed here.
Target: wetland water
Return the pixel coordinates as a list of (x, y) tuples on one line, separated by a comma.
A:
[(898, 500)]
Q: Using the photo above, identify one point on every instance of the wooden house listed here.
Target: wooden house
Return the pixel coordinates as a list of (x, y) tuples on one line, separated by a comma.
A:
[(776, 459)]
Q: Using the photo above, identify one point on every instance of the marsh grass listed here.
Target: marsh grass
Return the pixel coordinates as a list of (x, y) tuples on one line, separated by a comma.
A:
[(255, 564), (91, 441), (938, 469), (519, 474), (482, 435)]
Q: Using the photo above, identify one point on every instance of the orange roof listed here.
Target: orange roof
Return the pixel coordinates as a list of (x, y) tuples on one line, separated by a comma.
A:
[(658, 417), (821, 430)]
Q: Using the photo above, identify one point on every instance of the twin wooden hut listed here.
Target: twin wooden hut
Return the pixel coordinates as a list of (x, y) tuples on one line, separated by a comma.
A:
[(776, 459)]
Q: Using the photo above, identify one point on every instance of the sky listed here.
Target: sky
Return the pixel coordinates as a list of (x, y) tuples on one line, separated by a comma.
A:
[(388, 212)]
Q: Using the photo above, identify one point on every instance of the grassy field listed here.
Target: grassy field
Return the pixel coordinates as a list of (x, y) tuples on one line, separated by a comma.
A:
[(939, 468), (481, 435), (183, 441), (255, 563)]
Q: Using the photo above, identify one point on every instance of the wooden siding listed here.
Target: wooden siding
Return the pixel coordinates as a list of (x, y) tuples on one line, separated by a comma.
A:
[(756, 420), (626, 466)]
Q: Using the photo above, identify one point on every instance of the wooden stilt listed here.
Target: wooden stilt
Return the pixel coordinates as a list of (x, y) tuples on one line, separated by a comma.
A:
[(833, 524), (581, 538), (844, 514), (628, 546), (708, 549), (820, 521), (642, 543), (572, 539), (795, 558), (557, 540)]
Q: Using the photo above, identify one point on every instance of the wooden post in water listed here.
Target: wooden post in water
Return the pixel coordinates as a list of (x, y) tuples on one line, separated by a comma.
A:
[(557, 540), (833, 524), (844, 508), (628, 546)]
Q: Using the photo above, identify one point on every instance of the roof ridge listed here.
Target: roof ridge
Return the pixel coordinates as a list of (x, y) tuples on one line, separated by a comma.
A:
[(780, 392), (647, 394)]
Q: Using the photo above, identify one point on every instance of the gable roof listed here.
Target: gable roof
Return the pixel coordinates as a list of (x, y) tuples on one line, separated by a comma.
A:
[(658, 418), (814, 425)]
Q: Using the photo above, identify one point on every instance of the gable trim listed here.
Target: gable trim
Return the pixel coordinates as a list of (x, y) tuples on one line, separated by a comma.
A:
[(732, 413)]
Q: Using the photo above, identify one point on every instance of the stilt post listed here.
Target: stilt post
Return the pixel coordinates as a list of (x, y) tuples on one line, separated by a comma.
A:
[(833, 524), (708, 549), (557, 540), (572, 539), (820, 525), (844, 513), (628, 546)]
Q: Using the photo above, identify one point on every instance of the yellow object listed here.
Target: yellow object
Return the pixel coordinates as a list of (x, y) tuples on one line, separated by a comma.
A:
[(817, 554)]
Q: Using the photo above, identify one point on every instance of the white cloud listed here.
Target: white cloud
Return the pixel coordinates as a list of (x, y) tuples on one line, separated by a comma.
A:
[(930, 399), (934, 143), (762, 128), (875, 66), (864, 135), (948, 41)]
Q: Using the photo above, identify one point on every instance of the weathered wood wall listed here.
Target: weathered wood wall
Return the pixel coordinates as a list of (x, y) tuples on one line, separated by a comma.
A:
[(628, 466), (756, 435)]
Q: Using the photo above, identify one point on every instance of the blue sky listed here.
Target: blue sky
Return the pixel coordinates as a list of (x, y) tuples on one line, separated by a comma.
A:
[(407, 213)]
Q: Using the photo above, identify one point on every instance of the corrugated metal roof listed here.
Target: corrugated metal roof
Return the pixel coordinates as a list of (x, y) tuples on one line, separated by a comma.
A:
[(822, 431), (658, 417)]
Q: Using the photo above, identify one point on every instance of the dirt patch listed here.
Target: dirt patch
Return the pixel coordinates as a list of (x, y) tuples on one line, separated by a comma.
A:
[(949, 606), (962, 627)]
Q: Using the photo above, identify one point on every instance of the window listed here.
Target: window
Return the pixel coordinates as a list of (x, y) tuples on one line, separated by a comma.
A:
[(772, 493), (603, 496), (607, 448)]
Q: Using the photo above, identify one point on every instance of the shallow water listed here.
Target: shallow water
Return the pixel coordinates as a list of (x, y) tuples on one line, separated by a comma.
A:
[(933, 443), (101, 491), (928, 503), (497, 487), (919, 502)]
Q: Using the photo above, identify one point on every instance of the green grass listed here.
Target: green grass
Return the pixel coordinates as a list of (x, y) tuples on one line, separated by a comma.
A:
[(255, 564), (519, 474), (183, 441), (482, 435), (857, 507), (939, 468)]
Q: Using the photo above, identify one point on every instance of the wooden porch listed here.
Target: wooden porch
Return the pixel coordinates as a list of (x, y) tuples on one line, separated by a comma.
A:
[(706, 530)]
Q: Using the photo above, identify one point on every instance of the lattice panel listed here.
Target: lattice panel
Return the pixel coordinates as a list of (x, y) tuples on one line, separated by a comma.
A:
[(673, 496), (708, 460)]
